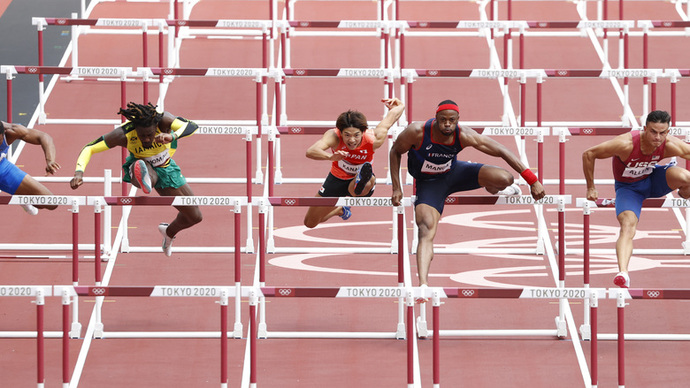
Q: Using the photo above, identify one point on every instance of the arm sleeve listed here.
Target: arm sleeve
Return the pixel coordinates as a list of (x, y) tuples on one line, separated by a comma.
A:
[(95, 146), (182, 127)]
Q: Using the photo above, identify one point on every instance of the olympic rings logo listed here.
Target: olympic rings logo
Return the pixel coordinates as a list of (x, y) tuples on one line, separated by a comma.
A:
[(168, 71), (653, 294), (588, 131), (432, 73), (98, 291), (285, 291), (562, 73), (296, 129), (467, 293), (181, 22), (32, 70), (304, 24), (424, 24), (290, 202), (450, 199), (126, 201), (61, 21), (543, 24), (300, 72), (667, 24)]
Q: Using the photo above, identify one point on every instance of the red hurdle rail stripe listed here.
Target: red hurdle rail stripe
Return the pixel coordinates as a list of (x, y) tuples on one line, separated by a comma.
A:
[(302, 292), (113, 291), (598, 131), (659, 294), (509, 293)]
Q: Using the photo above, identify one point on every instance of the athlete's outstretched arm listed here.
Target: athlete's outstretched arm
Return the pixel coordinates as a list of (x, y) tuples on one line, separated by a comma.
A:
[(396, 108), (410, 137), (35, 137)]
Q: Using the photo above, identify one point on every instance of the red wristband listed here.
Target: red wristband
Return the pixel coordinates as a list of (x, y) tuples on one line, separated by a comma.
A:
[(529, 176)]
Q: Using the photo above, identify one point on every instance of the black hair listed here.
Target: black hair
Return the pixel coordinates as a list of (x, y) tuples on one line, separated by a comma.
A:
[(658, 116), (352, 118), (141, 115), (447, 102)]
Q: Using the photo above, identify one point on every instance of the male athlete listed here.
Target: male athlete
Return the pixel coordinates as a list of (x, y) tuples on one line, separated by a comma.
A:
[(15, 181), (637, 176), (151, 138), (432, 149)]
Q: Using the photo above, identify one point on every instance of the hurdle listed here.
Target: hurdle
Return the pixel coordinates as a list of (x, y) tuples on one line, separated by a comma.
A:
[(221, 293), (404, 296), (435, 294), (623, 294), (38, 293), (397, 247)]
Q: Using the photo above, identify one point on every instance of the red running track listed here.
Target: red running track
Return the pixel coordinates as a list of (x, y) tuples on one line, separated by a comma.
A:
[(484, 361)]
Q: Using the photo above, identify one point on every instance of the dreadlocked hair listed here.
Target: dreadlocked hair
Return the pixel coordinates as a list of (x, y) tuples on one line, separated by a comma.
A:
[(141, 115)]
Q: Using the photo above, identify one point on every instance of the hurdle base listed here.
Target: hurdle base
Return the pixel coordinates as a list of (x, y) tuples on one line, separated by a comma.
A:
[(75, 331), (261, 331), (561, 327), (98, 330), (329, 335), (497, 333), (644, 337), (400, 333), (237, 333), (585, 332), (422, 330)]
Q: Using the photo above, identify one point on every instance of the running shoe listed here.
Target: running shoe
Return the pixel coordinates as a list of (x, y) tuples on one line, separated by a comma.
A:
[(622, 280), (167, 241), (513, 189), (31, 209), (347, 213), (363, 176), (141, 174)]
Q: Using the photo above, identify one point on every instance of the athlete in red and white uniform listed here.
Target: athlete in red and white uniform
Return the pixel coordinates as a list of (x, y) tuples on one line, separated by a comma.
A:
[(638, 176), (350, 146)]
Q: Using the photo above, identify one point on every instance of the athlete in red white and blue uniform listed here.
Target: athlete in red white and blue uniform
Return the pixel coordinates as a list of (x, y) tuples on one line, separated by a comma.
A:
[(431, 149), (635, 156)]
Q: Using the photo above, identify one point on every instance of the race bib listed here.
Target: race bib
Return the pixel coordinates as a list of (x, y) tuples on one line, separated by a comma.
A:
[(159, 159), (432, 168)]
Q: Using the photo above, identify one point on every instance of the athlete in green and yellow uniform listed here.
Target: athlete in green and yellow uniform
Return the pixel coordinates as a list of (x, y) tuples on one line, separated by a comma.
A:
[(151, 138)]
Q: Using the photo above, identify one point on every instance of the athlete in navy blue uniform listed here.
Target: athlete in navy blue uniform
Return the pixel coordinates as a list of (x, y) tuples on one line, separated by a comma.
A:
[(432, 148)]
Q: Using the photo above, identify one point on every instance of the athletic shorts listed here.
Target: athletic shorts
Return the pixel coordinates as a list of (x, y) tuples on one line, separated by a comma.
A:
[(170, 176), (463, 176), (629, 196), (336, 187), (10, 176)]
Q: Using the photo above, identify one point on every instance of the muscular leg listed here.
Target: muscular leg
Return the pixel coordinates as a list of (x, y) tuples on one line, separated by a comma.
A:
[(187, 216), (367, 189), (31, 186), (679, 178), (427, 219), (318, 214), (624, 244), (494, 179)]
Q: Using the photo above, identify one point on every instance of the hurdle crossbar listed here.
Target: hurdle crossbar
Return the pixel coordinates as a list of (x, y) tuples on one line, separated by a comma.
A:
[(221, 293)]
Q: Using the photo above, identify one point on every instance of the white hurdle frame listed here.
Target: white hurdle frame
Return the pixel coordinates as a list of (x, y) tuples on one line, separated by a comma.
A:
[(223, 294), (397, 247)]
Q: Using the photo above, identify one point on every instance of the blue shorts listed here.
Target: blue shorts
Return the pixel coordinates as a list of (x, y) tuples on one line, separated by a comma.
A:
[(463, 176), (629, 196), (10, 176)]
